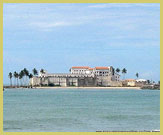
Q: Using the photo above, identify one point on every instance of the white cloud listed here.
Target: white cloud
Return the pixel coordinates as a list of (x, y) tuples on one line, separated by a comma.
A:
[(107, 5), (49, 24), (124, 5)]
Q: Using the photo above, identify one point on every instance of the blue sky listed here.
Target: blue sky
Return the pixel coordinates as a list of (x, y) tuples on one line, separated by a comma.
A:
[(57, 36)]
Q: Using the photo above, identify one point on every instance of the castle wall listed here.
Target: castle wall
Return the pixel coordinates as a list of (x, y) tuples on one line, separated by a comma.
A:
[(116, 84), (87, 81), (103, 81), (35, 81), (74, 81)]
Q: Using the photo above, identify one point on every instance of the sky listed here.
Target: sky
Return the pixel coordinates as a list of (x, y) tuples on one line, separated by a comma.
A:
[(56, 37)]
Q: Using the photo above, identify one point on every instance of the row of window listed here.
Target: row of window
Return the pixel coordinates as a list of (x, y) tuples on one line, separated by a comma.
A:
[(103, 75), (101, 72), (95, 71)]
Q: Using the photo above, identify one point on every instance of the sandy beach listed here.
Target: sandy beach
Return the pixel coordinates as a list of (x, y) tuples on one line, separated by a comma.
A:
[(138, 88)]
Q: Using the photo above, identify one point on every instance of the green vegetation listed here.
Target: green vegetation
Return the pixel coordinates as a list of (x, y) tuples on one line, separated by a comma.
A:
[(10, 76), (22, 78), (124, 71), (137, 75), (118, 70), (35, 72)]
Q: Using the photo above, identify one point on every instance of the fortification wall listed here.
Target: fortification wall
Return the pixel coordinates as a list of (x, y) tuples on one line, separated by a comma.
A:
[(74, 81), (116, 84), (86, 82), (57, 81)]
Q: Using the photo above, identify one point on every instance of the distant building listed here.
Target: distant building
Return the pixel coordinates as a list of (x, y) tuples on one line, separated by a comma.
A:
[(81, 70), (130, 82), (97, 71), (103, 71), (141, 82), (79, 76)]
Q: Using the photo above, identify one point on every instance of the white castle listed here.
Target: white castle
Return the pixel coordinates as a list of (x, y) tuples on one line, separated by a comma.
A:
[(81, 76)]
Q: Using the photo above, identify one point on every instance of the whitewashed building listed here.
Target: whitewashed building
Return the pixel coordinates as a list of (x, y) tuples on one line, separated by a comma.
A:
[(79, 76), (80, 70)]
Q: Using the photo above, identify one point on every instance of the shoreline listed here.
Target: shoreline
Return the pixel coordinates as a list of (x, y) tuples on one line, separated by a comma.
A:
[(86, 88), (56, 87)]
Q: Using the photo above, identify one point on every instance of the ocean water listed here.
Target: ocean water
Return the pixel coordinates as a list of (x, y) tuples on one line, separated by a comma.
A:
[(80, 110)]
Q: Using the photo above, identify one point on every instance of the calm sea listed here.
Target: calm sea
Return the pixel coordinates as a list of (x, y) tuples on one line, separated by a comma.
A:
[(81, 110)]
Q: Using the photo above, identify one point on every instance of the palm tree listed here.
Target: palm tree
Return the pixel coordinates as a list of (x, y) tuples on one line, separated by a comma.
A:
[(26, 72), (118, 70), (42, 71), (148, 81), (137, 75), (20, 77), (15, 76), (35, 72), (30, 76), (124, 71), (22, 74), (10, 76)]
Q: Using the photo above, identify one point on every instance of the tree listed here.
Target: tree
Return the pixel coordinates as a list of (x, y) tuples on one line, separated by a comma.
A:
[(10, 76), (42, 71), (118, 70), (26, 72), (30, 76), (16, 77), (148, 81), (137, 75), (21, 74), (124, 71), (35, 72)]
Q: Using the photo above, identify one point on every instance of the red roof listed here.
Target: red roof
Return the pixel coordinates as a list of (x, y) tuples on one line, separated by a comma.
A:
[(82, 67), (130, 80), (86, 67), (101, 68)]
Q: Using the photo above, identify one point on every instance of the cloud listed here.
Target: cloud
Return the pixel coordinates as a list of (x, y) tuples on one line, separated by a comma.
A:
[(107, 5), (61, 15), (114, 5), (48, 26)]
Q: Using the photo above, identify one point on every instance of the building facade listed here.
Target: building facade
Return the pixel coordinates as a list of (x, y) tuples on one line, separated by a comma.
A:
[(79, 77)]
